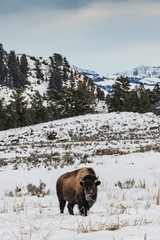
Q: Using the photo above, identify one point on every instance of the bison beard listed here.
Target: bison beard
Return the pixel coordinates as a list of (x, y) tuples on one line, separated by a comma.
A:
[(77, 187)]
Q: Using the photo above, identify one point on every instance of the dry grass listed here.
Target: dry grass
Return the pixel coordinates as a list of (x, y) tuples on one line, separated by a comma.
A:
[(86, 226), (158, 193), (4, 208), (19, 206)]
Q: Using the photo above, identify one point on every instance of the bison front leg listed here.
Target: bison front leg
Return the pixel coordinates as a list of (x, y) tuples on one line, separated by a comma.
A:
[(62, 205), (83, 210), (70, 208)]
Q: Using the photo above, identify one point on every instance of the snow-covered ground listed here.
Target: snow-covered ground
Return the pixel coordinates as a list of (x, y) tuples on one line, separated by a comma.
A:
[(123, 149)]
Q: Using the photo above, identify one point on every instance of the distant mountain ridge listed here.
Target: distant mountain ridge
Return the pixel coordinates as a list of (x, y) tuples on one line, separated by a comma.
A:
[(148, 75)]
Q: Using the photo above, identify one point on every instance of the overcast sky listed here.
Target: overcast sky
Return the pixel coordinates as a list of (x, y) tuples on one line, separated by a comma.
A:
[(106, 36)]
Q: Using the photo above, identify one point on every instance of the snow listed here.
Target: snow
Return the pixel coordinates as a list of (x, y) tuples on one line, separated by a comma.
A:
[(127, 206), (148, 75), (35, 84)]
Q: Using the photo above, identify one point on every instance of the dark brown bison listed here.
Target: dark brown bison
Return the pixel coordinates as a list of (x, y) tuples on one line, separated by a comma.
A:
[(77, 187)]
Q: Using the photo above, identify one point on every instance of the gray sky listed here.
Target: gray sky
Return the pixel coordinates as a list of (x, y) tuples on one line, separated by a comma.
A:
[(106, 36)]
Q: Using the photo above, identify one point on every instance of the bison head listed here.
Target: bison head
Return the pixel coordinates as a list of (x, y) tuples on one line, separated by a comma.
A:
[(90, 184)]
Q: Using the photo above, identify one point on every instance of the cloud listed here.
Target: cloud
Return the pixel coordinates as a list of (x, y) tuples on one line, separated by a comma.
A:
[(89, 32)]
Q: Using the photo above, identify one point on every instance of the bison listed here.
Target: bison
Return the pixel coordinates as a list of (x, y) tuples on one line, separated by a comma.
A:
[(77, 187)]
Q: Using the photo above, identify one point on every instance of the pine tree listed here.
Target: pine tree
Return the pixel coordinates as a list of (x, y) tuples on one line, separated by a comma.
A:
[(3, 69), (84, 97), (2, 116), (39, 111), (155, 94), (13, 66), (55, 81), (65, 72), (143, 99), (39, 73), (12, 120), (100, 94), (23, 67), (72, 79), (17, 112), (72, 102), (65, 75), (58, 60), (118, 100), (54, 111), (66, 63), (133, 101)]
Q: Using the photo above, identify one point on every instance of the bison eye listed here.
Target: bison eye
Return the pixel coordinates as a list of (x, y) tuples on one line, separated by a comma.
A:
[(82, 183)]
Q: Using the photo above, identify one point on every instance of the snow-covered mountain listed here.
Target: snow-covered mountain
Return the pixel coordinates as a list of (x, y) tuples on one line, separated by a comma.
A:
[(148, 75)]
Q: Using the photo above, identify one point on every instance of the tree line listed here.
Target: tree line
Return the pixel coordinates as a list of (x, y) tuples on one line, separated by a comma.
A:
[(66, 103), (139, 99)]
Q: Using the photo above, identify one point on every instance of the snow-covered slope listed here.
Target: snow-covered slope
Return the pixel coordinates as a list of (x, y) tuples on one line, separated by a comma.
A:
[(148, 75), (88, 135), (115, 145), (71, 78)]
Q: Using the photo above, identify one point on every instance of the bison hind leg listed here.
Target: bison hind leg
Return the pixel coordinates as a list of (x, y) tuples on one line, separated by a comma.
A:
[(62, 205), (70, 208)]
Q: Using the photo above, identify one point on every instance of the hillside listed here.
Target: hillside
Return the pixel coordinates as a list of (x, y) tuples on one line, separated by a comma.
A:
[(148, 75), (80, 138), (35, 90), (35, 74), (123, 148)]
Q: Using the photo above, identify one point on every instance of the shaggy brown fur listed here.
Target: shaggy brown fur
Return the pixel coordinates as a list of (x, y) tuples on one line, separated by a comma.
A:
[(77, 187)]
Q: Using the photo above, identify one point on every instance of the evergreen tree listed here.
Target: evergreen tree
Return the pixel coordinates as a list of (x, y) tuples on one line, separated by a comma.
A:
[(155, 94), (39, 73), (2, 116), (65, 75), (118, 100), (66, 103), (38, 110), (72, 102), (66, 67), (58, 60), (84, 97), (133, 101), (72, 79), (66, 63), (13, 66), (17, 112), (23, 67), (12, 119), (143, 99), (3, 69), (55, 81), (53, 108), (100, 94)]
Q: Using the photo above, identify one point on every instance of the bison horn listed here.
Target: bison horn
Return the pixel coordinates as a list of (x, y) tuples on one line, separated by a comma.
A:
[(96, 180), (82, 180)]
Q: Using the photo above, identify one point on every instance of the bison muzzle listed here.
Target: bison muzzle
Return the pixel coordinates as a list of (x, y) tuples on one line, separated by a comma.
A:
[(77, 187)]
